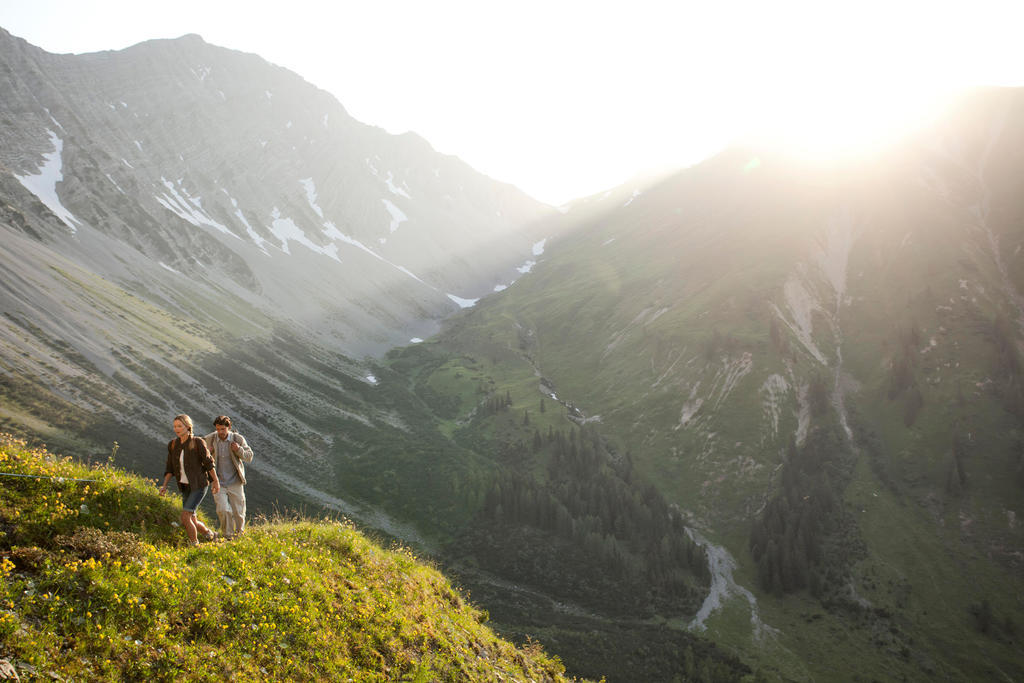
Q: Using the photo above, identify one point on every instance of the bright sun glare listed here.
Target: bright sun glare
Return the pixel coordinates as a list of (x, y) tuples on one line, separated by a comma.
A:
[(842, 80), (840, 121)]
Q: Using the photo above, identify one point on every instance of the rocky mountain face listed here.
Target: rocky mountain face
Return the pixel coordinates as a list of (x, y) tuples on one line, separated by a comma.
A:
[(177, 202), (215, 164)]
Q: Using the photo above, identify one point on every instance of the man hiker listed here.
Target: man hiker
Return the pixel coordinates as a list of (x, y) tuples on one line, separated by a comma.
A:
[(230, 453)]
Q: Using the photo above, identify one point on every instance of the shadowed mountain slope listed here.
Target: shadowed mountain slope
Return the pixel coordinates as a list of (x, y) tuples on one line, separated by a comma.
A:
[(819, 365)]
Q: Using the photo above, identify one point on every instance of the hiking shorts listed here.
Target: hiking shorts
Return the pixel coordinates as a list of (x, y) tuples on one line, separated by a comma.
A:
[(192, 497)]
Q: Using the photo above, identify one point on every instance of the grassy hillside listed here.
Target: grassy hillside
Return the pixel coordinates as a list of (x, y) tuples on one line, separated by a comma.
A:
[(97, 583)]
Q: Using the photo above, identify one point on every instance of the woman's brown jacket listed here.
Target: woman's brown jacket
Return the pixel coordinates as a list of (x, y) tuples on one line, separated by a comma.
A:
[(197, 461)]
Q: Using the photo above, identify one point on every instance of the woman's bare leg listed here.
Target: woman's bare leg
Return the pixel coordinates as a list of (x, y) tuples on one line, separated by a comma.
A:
[(188, 520), (199, 526)]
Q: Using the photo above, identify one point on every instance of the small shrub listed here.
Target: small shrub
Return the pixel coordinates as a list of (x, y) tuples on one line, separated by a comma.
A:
[(89, 542), (29, 558), (983, 617)]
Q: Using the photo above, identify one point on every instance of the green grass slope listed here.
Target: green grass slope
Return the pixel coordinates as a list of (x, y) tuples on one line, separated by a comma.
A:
[(97, 583)]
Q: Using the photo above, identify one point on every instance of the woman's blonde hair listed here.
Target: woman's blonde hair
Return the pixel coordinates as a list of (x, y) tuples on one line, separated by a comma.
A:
[(185, 420)]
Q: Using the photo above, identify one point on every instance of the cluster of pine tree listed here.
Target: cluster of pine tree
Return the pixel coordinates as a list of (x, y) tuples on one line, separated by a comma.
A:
[(496, 404), (788, 538), (613, 534), (902, 374)]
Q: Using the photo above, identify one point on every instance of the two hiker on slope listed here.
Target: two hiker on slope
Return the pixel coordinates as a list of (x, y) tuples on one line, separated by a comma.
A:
[(194, 463)]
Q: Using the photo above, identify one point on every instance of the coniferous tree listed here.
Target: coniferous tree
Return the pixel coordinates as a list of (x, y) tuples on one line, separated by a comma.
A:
[(912, 407)]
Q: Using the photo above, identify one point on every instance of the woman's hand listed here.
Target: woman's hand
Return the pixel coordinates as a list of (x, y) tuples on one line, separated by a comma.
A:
[(215, 487)]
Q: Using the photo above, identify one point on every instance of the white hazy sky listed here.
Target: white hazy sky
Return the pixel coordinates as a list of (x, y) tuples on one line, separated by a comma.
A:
[(567, 98)]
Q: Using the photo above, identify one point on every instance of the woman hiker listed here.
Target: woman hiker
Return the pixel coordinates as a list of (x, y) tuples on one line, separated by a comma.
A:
[(189, 461)]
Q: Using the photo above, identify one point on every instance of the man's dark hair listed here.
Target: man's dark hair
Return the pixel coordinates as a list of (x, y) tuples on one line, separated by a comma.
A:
[(223, 420)]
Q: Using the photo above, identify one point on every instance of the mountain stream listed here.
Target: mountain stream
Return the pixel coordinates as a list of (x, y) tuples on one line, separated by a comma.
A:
[(723, 586)]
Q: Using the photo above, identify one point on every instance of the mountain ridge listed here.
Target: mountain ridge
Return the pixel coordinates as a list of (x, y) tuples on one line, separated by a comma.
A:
[(356, 229)]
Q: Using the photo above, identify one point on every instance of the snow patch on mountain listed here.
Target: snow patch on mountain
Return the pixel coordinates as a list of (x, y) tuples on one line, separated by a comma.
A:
[(402, 191), (527, 267), (330, 230), (538, 249), (394, 189), (253, 235), (311, 195), (187, 207), (44, 184), (285, 230), (409, 273), (463, 303), (397, 216)]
